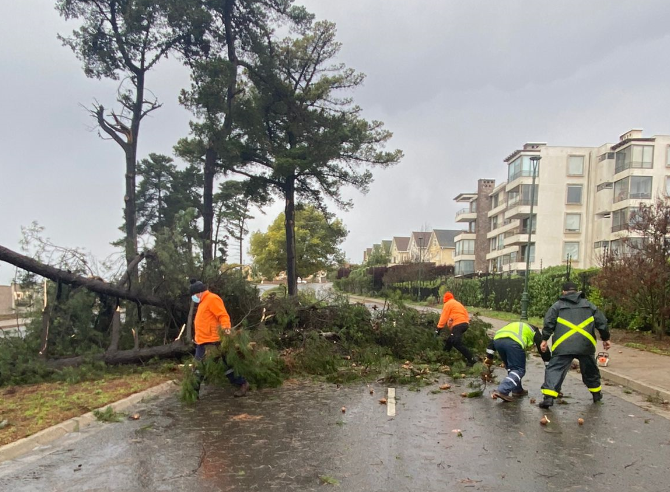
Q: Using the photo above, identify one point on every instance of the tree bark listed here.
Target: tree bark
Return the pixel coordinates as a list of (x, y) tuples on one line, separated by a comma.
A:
[(69, 278), (44, 339), (208, 204), (189, 323), (289, 226), (175, 349), (116, 330)]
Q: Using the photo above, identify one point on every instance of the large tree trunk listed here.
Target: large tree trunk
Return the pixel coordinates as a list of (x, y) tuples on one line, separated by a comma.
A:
[(208, 205), (289, 226), (69, 278), (175, 349)]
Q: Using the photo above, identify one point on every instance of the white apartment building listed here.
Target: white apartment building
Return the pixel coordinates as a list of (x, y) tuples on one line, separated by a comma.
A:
[(583, 200)]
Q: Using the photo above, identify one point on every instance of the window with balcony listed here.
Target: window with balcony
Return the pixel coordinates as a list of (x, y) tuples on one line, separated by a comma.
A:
[(501, 241), (576, 165), (621, 190), (495, 199), (465, 247), (521, 195), (473, 206), (525, 223), (621, 219), (634, 156), (573, 222), (574, 195), (571, 251), (464, 267), (521, 166), (640, 187), (472, 226), (493, 223), (524, 248)]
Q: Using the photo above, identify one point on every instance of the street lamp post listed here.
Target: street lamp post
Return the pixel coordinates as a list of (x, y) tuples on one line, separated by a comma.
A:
[(535, 161)]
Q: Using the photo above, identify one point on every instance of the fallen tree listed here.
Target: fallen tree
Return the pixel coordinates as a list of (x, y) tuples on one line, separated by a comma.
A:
[(132, 356), (93, 284)]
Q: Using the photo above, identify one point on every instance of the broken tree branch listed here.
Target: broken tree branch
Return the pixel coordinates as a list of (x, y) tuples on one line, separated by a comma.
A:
[(69, 278)]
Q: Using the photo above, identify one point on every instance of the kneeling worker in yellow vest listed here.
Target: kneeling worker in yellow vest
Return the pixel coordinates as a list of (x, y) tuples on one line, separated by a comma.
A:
[(511, 342), (572, 321)]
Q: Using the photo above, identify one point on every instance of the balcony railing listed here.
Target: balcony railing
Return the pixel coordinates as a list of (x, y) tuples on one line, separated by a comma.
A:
[(522, 258), (464, 211), (520, 174), (520, 202)]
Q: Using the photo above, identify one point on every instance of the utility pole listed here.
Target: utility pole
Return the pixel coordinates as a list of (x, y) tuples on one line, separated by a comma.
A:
[(535, 160)]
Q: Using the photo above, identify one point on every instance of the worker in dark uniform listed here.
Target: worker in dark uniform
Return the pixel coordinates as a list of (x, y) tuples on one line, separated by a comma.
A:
[(511, 342), (572, 321)]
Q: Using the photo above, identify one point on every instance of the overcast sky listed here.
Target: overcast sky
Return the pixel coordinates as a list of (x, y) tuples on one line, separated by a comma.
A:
[(461, 84)]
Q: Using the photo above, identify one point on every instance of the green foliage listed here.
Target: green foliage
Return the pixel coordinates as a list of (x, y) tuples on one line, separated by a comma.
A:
[(317, 241), (108, 415), (359, 282), (466, 291), (19, 363), (260, 365)]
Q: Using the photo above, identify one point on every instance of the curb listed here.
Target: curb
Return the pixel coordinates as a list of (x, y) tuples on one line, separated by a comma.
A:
[(76, 424), (644, 388)]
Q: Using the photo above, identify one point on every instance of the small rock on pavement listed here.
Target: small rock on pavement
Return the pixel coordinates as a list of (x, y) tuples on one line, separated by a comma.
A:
[(4, 424)]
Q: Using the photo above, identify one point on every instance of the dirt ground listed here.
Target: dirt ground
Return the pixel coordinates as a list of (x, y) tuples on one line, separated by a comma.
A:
[(642, 340)]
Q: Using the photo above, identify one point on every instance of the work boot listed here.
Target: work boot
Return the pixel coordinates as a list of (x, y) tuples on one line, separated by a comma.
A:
[(520, 393), (597, 396), (502, 396), (547, 402), (244, 388)]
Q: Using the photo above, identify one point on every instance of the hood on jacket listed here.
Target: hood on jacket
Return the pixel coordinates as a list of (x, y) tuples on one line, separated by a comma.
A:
[(572, 297), (447, 296)]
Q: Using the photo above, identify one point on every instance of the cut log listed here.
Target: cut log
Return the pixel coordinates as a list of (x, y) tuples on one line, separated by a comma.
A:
[(92, 284), (174, 349)]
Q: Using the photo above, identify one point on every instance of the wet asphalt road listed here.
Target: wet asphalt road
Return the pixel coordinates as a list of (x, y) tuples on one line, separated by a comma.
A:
[(287, 438)]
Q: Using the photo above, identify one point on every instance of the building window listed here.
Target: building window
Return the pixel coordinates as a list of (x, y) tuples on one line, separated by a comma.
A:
[(667, 156), (532, 252), (576, 165), (636, 156), (465, 247), (521, 195), (494, 200), (473, 206), (571, 251), (640, 187), (573, 222), (524, 225), (464, 267), (667, 186), (521, 166), (574, 194), (621, 190)]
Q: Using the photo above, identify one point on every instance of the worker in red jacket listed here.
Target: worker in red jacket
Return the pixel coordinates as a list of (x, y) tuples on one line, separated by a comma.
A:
[(211, 319), (456, 318)]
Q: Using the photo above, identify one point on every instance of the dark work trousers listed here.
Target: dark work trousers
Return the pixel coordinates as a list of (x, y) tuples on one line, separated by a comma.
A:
[(455, 340), (200, 352), (558, 367), (514, 358)]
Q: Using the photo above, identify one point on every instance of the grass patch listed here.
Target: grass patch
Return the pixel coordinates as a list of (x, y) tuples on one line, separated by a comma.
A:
[(32, 408), (327, 479), (647, 348), (108, 415)]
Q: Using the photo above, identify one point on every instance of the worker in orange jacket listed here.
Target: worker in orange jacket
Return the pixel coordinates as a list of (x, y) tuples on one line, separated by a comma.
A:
[(211, 319), (456, 318)]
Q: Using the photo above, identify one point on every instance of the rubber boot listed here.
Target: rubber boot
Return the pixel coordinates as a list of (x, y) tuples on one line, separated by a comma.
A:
[(597, 396), (242, 391), (547, 402)]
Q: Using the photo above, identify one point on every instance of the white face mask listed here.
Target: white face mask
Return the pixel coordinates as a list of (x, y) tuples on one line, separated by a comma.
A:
[(195, 298)]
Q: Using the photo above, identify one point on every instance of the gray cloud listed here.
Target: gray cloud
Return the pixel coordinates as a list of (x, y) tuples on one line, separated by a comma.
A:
[(461, 85)]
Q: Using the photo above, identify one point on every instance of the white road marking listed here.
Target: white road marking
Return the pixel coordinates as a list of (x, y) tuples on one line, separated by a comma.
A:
[(390, 403)]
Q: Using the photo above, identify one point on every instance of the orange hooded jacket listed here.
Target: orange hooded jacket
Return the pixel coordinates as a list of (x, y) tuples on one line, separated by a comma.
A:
[(453, 310), (211, 317)]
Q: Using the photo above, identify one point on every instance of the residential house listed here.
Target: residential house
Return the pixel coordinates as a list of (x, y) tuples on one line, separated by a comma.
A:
[(399, 250), (418, 246), (442, 246)]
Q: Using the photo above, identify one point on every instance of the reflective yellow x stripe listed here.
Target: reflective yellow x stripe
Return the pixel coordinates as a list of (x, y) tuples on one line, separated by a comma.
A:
[(574, 329)]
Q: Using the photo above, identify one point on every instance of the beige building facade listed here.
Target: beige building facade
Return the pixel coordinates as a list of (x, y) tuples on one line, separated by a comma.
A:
[(583, 200)]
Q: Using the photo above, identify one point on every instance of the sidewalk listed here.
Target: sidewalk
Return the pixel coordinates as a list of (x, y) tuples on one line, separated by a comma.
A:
[(641, 371)]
